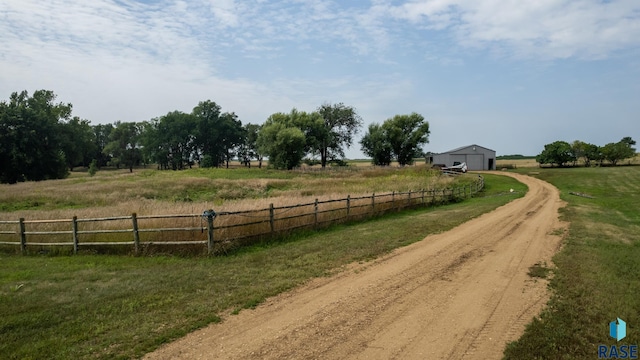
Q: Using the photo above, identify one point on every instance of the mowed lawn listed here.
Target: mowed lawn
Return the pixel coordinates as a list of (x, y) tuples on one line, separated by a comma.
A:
[(597, 275), (106, 307)]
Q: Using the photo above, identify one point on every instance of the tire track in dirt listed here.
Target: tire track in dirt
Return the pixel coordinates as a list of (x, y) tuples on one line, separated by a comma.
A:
[(460, 294)]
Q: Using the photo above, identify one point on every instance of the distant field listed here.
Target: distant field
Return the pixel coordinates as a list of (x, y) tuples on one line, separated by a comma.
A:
[(514, 157), (531, 163), (516, 163), (596, 278)]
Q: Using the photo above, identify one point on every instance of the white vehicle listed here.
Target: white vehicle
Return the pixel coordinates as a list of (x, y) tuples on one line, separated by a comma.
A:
[(457, 167)]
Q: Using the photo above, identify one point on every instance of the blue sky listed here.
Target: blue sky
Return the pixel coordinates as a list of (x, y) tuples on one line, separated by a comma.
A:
[(509, 75)]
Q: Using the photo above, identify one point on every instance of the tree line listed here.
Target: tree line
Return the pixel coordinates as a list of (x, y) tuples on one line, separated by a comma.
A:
[(561, 153), (40, 139)]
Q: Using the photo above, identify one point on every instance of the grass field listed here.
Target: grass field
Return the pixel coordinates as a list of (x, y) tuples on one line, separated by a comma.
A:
[(597, 274), (516, 163), (106, 307), (118, 192), (532, 163), (153, 192)]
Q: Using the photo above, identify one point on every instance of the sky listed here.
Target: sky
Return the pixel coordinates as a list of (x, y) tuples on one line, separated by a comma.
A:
[(509, 75)]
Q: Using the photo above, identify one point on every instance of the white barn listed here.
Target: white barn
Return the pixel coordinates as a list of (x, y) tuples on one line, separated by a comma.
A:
[(476, 157)]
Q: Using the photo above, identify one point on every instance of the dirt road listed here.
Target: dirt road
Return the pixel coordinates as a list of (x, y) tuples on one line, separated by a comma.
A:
[(460, 294)]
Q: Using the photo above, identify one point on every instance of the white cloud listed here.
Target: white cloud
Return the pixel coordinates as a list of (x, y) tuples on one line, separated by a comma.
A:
[(225, 12), (540, 29), (125, 62)]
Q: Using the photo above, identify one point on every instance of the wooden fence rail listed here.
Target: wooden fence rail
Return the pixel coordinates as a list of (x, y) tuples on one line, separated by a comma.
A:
[(215, 229)]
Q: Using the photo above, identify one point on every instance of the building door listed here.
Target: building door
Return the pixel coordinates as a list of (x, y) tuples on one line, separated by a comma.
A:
[(491, 164), (475, 162)]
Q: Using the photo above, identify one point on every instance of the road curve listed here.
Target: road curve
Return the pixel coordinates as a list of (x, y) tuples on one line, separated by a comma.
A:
[(460, 294)]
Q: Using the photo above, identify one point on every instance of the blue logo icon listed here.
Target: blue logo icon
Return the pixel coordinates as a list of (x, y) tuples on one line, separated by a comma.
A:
[(618, 330)]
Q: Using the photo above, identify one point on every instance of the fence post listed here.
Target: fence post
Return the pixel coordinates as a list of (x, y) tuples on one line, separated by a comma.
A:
[(23, 237), (315, 213), (373, 202), (210, 233), (271, 219), (422, 196), (393, 199), (136, 233), (74, 227), (409, 199), (348, 205)]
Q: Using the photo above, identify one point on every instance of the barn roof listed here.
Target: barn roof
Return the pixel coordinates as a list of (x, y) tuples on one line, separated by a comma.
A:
[(467, 146)]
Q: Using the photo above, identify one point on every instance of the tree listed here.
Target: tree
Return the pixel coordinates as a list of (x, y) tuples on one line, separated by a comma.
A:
[(376, 145), (252, 131), (78, 142), (578, 149), (207, 114), (401, 137), (407, 134), (31, 142), (630, 151), (232, 135), (558, 152), (339, 124), (248, 150), (585, 151), (283, 142), (93, 167), (217, 134), (101, 137), (169, 140), (623, 149), (312, 126), (591, 153), (124, 144)]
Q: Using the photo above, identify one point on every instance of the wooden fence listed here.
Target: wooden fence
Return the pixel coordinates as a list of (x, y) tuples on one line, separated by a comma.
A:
[(215, 231)]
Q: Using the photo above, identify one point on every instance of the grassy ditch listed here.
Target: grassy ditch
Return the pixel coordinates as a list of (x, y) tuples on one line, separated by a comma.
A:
[(108, 307), (597, 274)]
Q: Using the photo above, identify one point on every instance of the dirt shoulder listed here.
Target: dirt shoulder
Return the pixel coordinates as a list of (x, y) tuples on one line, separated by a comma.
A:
[(464, 293)]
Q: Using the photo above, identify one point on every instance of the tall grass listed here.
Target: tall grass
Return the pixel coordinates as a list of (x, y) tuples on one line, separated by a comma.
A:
[(243, 190), (146, 192), (231, 228)]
